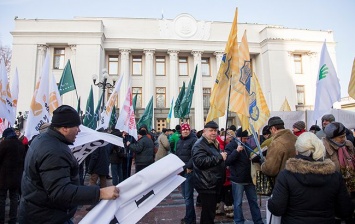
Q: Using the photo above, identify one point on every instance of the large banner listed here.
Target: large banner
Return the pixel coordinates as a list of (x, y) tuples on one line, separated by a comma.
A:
[(139, 193)]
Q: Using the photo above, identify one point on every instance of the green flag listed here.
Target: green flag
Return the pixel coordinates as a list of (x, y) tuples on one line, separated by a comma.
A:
[(147, 116), (134, 102), (89, 119), (178, 101), (113, 119), (185, 105), (98, 110), (66, 83)]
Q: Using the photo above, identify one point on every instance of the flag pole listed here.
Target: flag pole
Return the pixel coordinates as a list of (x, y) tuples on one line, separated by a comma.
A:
[(229, 96)]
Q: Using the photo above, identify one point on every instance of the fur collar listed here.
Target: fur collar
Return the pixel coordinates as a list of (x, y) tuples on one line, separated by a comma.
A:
[(302, 166)]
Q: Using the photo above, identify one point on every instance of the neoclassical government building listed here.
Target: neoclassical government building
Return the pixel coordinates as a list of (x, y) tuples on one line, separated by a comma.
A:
[(158, 55)]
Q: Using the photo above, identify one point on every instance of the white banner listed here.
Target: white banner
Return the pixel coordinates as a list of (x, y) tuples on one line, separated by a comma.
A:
[(139, 193)]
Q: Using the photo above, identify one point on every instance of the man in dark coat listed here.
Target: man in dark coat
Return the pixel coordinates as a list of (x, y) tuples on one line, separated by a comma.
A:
[(184, 152), (50, 186), (240, 166), (143, 149), (209, 171), (12, 156)]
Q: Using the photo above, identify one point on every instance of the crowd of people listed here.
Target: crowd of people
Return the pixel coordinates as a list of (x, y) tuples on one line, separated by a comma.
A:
[(313, 170)]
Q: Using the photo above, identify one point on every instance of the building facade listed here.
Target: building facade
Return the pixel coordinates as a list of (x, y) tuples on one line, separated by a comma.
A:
[(155, 57)]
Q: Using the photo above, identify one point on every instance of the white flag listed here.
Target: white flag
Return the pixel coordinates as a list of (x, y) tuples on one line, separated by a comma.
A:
[(106, 113), (39, 108), (14, 92), (126, 121), (140, 193), (6, 108), (328, 86), (54, 97)]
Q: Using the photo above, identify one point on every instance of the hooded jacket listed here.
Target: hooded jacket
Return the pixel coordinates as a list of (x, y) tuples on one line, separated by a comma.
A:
[(309, 191)]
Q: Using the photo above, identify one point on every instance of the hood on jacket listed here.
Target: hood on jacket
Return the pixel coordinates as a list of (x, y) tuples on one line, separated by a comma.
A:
[(311, 173)]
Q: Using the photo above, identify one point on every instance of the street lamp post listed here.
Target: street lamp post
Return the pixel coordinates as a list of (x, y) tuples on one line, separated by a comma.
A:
[(104, 85)]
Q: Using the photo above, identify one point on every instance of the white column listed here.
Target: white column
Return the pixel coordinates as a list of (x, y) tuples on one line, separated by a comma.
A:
[(173, 82), (219, 55), (198, 95), (149, 80), (125, 72), (41, 54)]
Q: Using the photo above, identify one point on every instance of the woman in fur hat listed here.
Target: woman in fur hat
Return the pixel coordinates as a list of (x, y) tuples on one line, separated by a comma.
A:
[(309, 190)]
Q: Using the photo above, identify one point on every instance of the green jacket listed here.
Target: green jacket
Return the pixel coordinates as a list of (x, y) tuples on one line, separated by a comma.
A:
[(173, 140)]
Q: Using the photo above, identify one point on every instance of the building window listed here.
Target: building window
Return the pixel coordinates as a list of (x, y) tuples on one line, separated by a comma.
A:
[(206, 97), (58, 59), (137, 65), (298, 63), (161, 123), (160, 66), (205, 67), (183, 66), (160, 93), (113, 65), (137, 91), (300, 95)]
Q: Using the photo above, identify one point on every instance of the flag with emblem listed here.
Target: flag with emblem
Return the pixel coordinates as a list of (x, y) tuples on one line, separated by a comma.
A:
[(178, 101), (147, 116), (126, 121), (66, 83), (89, 118), (39, 110), (6, 105), (229, 65), (15, 87), (54, 97), (107, 111), (351, 87), (328, 86)]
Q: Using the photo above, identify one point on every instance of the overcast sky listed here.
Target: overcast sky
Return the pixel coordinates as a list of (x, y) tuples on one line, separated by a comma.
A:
[(335, 15)]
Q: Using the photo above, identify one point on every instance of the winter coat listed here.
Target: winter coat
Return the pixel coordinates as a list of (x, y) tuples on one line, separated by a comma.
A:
[(12, 156), (208, 166), (173, 141), (184, 149), (99, 161), (332, 151), (144, 151), (50, 185), (163, 148), (239, 164), (310, 192), (117, 153), (281, 148)]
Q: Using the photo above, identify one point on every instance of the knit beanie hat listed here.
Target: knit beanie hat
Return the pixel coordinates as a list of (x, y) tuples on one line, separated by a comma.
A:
[(334, 129), (241, 133), (185, 126), (65, 116), (9, 133), (308, 143), (300, 125)]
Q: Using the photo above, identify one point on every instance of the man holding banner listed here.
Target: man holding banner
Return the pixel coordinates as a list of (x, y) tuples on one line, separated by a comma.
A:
[(50, 185)]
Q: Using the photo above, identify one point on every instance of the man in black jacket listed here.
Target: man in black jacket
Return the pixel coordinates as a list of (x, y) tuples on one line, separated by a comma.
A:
[(209, 171), (50, 183), (240, 167), (183, 151)]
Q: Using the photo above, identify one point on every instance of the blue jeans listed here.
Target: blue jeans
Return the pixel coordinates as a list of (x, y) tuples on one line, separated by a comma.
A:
[(250, 192), (187, 191), (117, 174)]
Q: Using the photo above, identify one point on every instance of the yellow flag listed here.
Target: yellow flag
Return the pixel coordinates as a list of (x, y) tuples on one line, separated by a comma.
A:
[(260, 113), (229, 64), (351, 87), (285, 106), (241, 81)]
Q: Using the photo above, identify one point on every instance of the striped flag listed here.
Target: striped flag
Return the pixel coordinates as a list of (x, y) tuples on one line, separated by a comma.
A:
[(229, 66), (351, 87), (170, 114)]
